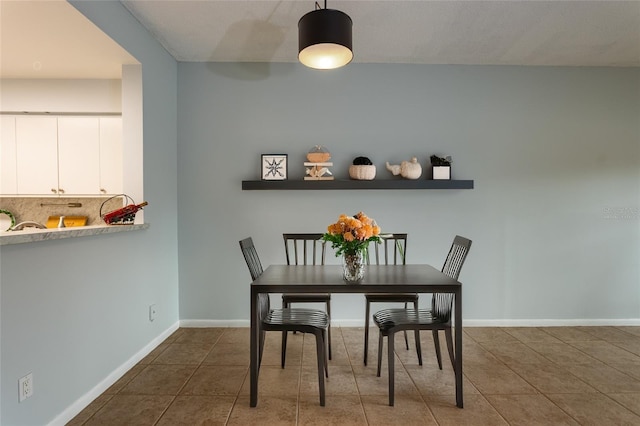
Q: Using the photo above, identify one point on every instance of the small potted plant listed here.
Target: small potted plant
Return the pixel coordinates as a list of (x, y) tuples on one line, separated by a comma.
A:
[(362, 169), (441, 167)]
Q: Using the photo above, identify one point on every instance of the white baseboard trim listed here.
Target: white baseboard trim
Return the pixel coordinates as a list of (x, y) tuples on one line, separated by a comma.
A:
[(214, 323), (551, 322), (82, 402), (466, 323)]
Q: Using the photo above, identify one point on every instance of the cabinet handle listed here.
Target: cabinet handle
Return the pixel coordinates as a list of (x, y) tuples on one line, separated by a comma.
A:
[(54, 190), (104, 191), (60, 190)]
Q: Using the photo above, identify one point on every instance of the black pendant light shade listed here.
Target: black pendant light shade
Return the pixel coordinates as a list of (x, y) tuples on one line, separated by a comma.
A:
[(324, 39)]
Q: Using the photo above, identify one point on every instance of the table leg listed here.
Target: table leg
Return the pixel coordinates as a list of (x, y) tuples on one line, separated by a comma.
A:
[(254, 348), (458, 359)]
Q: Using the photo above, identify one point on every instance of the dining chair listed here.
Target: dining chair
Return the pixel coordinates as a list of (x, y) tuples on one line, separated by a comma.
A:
[(306, 249), (310, 321), (394, 247), (391, 321)]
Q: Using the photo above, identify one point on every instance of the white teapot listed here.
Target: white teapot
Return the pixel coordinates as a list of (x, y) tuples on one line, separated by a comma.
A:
[(407, 169)]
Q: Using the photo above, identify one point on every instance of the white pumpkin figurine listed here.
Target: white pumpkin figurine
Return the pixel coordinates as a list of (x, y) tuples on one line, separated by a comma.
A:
[(362, 169), (407, 169)]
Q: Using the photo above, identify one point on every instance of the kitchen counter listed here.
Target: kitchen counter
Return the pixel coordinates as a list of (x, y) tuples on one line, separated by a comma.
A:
[(30, 235)]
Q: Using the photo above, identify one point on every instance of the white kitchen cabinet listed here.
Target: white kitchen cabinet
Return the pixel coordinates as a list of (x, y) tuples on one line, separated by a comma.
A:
[(111, 153), (67, 155), (37, 155), (78, 155), (8, 177)]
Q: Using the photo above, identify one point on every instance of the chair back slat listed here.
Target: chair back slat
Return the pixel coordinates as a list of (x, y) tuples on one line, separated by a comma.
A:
[(255, 269), (394, 245), (304, 249), (442, 303), (251, 257)]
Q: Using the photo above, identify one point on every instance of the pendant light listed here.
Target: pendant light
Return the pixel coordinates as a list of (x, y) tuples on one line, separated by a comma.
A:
[(324, 38)]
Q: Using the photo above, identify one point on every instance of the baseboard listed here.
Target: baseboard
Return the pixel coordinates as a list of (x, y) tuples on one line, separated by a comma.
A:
[(466, 323), (81, 403), (214, 323), (551, 322)]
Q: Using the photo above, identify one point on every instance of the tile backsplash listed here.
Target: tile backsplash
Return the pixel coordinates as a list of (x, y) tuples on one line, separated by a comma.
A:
[(39, 209)]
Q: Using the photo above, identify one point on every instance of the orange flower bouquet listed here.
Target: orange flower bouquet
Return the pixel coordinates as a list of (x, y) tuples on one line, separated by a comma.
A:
[(350, 236)]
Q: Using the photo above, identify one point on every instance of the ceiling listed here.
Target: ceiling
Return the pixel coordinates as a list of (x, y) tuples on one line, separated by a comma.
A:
[(572, 33), (51, 39)]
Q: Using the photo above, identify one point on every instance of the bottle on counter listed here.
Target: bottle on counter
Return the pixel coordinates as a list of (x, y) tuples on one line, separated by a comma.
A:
[(61, 222)]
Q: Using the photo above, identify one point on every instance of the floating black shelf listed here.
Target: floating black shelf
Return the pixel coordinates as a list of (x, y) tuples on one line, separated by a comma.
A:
[(288, 185)]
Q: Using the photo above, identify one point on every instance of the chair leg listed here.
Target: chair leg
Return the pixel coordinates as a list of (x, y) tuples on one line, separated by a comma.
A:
[(320, 343), (380, 339), (262, 336), (449, 337), (418, 346), (366, 331), (285, 305), (329, 328), (283, 352), (406, 339), (326, 360), (390, 365), (436, 343), (417, 337)]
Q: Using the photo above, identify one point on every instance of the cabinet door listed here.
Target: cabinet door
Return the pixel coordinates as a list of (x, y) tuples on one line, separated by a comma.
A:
[(79, 155), (111, 171), (8, 177), (36, 155)]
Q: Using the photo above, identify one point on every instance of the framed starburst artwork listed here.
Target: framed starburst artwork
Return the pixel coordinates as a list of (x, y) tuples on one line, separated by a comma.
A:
[(274, 166)]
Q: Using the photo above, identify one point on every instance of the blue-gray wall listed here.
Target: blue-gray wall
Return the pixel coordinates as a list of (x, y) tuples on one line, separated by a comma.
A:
[(554, 152), (74, 311)]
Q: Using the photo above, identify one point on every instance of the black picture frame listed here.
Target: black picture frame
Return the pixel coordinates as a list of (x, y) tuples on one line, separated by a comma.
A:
[(274, 167)]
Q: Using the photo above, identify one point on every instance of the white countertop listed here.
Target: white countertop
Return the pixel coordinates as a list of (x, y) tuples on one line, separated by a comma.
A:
[(30, 235)]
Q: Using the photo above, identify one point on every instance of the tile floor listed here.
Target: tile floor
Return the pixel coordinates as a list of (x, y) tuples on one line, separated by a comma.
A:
[(513, 376)]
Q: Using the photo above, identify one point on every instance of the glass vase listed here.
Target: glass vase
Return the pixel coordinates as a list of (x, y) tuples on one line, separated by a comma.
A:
[(352, 267)]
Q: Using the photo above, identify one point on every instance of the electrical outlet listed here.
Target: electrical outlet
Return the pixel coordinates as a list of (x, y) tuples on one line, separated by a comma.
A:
[(25, 387), (152, 312)]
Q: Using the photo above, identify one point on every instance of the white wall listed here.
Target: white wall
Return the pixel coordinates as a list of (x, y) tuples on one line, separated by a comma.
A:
[(73, 95), (553, 152), (74, 312)]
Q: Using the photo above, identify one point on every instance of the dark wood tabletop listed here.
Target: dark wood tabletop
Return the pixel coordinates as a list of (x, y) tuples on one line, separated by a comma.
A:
[(328, 278)]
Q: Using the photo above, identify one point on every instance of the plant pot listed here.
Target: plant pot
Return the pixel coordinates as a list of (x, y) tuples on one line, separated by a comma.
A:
[(362, 172), (441, 172)]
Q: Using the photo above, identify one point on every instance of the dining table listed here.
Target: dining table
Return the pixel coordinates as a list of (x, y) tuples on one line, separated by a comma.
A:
[(419, 278)]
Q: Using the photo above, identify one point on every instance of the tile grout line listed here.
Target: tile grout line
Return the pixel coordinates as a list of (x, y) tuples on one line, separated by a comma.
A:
[(543, 394), (353, 373), (125, 384), (424, 401), (188, 379), (236, 399)]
